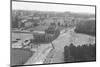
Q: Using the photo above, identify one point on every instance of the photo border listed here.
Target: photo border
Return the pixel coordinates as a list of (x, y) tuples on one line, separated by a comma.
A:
[(51, 3)]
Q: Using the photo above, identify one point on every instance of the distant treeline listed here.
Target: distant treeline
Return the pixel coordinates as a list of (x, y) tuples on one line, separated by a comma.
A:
[(19, 15), (54, 14), (79, 53), (86, 27)]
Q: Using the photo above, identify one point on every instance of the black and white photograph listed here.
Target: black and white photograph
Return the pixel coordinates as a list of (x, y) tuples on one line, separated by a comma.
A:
[(52, 33)]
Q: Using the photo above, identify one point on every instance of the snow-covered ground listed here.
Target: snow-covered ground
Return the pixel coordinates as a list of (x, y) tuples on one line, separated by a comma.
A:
[(40, 55), (66, 39), (68, 36)]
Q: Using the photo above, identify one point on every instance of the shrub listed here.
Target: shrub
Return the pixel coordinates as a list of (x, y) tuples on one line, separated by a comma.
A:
[(80, 53)]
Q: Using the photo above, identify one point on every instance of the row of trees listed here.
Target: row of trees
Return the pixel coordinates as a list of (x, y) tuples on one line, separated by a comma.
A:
[(50, 34), (80, 53), (86, 27)]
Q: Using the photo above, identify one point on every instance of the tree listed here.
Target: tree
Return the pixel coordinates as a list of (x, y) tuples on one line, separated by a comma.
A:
[(66, 25), (35, 24), (15, 20), (58, 23), (51, 28)]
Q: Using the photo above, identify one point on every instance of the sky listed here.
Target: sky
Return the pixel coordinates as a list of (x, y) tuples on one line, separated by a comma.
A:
[(52, 7)]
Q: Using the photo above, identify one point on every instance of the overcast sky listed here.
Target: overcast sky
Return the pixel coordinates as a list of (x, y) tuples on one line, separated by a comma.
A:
[(52, 7)]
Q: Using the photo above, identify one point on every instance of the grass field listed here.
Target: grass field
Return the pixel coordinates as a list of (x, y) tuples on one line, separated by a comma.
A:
[(20, 56)]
